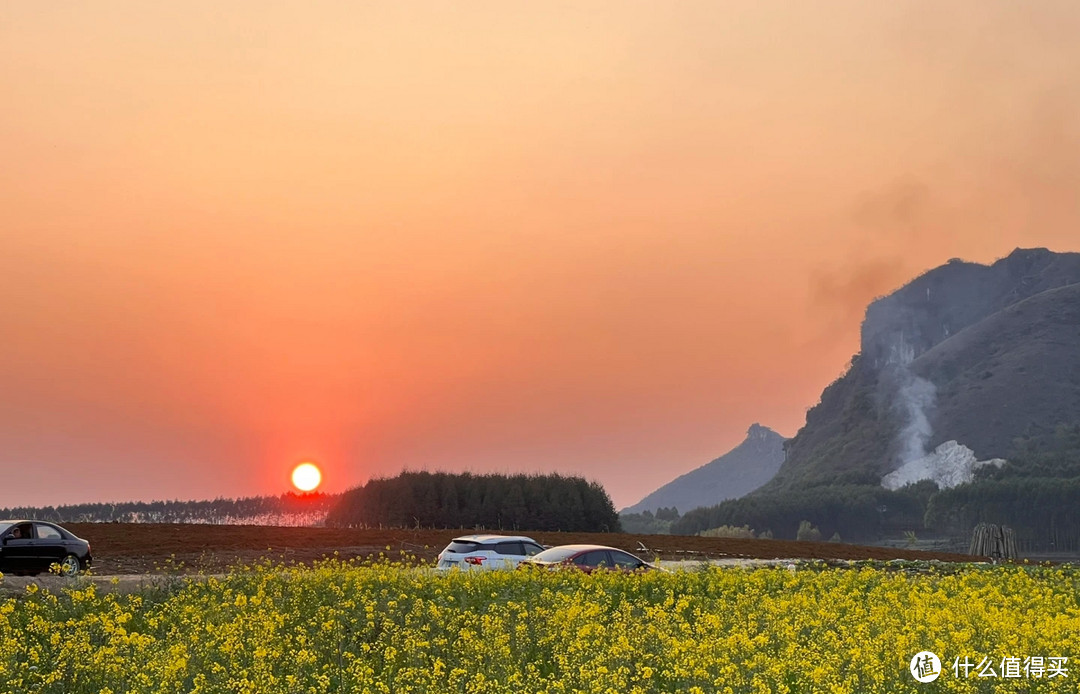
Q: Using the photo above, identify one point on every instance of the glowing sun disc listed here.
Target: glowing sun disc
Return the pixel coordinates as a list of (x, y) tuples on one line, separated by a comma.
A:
[(306, 477)]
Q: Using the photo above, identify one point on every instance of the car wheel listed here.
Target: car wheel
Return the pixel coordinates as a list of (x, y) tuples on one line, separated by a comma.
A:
[(70, 565)]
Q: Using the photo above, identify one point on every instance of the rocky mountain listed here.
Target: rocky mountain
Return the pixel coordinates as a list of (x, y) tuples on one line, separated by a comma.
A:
[(740, 471), (979, 355)]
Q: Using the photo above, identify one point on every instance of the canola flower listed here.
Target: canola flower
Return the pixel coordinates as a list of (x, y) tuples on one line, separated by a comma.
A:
[(392, 627)]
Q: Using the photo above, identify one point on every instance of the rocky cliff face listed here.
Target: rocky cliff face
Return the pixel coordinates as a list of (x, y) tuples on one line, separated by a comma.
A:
[(949, 465), (737, 473), (942, 302), (966, 352)]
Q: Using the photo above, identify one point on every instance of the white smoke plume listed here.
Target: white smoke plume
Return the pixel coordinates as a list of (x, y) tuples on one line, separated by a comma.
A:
[(916, 398)]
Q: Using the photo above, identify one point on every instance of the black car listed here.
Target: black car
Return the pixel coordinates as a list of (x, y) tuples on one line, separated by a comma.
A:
[(32, 547)]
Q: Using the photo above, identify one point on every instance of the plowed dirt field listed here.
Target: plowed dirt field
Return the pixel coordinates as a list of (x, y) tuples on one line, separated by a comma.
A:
[(123, 548)]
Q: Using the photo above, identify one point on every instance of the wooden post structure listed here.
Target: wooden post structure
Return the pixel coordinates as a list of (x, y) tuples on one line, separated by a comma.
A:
[(994, 541)]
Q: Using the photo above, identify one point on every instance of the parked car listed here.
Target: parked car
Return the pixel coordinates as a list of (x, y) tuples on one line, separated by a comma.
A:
[(587, 558), (32, 547), (487, 552)]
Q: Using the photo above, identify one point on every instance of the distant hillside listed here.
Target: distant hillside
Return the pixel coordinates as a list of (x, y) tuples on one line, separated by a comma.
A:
[(973, 353), (1016, 372), (740, 471), (969, 374)]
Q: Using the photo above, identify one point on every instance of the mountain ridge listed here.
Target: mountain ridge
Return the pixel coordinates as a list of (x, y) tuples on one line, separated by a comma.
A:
[(736, 473), (962, 407), (853, 434)]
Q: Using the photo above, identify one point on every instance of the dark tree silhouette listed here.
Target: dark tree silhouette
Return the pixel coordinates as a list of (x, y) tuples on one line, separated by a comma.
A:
[(492, 502)]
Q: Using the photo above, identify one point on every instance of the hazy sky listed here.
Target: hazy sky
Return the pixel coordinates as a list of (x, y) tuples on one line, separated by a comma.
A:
[(598, 238)]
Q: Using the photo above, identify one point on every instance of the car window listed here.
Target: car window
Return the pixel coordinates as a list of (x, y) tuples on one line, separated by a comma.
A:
[(532, 550), (462, 546), (512, 548), (595, 558), (47, 532), (625, 561)]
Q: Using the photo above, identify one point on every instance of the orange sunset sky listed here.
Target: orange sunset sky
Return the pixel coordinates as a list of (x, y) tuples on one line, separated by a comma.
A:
[(590, 237)]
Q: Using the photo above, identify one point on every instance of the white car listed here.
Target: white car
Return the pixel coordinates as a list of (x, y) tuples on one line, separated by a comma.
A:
[(487, 552)]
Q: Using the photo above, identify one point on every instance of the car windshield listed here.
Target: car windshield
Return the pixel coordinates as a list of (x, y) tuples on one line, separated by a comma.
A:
[(557, 554), (4, 527), (462, 546)]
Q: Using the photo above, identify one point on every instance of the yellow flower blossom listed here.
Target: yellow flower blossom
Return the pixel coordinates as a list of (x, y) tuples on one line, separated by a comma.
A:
[(383, 627)]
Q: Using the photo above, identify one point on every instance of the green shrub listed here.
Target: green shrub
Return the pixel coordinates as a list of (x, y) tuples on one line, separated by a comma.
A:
[(808, 532), (729, 531)]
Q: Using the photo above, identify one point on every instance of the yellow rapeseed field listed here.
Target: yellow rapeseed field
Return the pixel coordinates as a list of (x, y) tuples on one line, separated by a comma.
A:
[(392, 627)]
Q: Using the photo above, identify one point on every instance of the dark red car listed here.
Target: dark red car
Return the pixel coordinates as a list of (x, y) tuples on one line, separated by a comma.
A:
[(587, 558)]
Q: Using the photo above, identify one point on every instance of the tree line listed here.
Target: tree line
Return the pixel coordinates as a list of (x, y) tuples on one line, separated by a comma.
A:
[(488, 502), (648, 523), (287, 509), (1043, 512), (1036, 493), (854, 512)]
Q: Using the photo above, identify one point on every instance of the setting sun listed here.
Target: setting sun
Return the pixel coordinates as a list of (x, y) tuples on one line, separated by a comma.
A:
[(306, 477)]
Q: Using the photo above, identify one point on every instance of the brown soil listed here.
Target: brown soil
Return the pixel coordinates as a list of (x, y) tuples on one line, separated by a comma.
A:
[(123, 548)]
